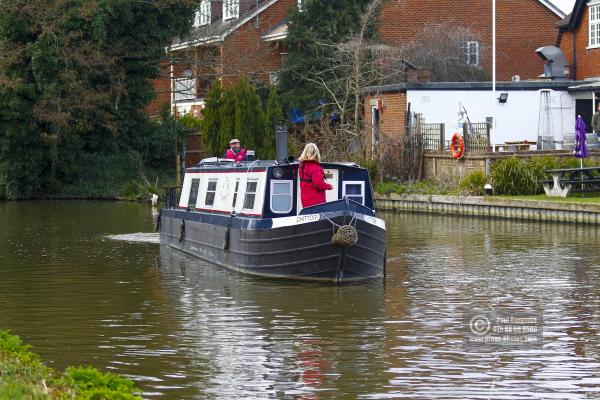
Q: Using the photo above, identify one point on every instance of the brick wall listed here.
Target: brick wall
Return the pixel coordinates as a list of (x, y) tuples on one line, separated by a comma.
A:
[(162, 87), (392, 118), (246, 54), (522, 27), (588, 60)]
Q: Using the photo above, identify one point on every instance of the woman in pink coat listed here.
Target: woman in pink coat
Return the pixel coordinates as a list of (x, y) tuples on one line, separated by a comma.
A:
[(312, 177)]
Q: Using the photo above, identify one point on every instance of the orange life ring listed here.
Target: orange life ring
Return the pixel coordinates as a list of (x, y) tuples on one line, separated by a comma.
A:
[(457, 146)]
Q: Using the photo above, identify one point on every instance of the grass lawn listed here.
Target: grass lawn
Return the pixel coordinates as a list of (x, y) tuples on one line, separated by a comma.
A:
[(590, 198)]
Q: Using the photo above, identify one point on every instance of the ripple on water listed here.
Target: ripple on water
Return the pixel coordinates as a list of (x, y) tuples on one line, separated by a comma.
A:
[(184, 329)]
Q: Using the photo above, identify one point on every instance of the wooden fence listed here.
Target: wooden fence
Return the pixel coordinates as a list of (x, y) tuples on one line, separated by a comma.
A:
[(477, 137), (430, 136)]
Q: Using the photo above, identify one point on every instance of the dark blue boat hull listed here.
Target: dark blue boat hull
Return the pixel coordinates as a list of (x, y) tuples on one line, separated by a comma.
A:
[(300, 251)]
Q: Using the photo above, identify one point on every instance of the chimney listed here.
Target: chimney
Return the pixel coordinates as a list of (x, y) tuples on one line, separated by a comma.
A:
[(281, 142)]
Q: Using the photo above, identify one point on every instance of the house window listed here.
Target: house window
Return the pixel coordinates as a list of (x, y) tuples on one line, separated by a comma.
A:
[(231, 9), (235, 193), (594, 34), (210, 193), (354, 191), (281, 196), (273, 78), (301, 5), (203, 14), (194, 193), (469, 53), (185, 89), (250, 195)]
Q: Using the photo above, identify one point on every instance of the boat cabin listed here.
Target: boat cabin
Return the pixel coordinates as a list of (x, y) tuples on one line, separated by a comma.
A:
[(266, 189)]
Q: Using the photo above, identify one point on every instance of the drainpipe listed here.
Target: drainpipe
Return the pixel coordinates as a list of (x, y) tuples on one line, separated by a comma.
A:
[(574, 56), (493, 127), (172, 79)]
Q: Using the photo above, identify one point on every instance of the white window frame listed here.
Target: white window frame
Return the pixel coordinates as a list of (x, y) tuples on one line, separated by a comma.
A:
[(231, 9), (211, 180), (291, 194), (466, 52), (593, 24), (246, 194), (203, 16), (362, 189), (273, 77), (301, 5)]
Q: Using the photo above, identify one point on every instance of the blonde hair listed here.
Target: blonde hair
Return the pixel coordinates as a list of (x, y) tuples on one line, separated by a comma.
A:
[(311, 152)]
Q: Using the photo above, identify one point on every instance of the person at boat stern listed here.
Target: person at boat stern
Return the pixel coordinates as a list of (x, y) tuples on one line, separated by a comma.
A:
[(235, 151), (312, 177)]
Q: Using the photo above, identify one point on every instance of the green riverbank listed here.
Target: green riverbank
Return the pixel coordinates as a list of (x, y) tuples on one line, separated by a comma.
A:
[(24, 376)]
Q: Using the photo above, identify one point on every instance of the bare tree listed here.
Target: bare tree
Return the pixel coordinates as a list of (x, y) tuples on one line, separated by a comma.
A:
[(354, 63), (450, 53)]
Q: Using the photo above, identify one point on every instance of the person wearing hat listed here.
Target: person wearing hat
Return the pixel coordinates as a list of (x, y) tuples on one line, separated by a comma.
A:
[(235, 151)]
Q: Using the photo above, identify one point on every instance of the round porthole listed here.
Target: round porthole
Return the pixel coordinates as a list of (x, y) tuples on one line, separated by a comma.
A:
[(278, 173)]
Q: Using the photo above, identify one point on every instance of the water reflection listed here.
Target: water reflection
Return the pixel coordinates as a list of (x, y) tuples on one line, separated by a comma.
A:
[(185, 329), (255, 336)]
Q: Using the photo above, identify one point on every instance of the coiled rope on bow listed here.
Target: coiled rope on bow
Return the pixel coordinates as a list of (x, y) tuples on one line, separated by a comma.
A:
[(344, 235)]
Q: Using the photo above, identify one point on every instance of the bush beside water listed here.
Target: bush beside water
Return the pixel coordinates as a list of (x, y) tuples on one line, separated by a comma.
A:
[(24, 376), (517, 176), (473, 184), (508, 176)]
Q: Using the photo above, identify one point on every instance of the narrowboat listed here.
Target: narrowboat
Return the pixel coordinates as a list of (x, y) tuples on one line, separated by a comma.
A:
[(247, 216)]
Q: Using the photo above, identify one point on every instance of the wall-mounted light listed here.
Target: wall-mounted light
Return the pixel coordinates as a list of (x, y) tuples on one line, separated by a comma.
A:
[(503, 98)]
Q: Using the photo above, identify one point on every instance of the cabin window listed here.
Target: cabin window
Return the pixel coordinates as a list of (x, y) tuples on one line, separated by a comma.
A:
[(210, 193), (235, 193), (354, 191), (194, 193), (250, 195), (281, 196)]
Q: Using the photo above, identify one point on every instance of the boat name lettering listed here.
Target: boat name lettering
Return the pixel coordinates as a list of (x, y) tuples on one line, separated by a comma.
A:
[(308, 218)]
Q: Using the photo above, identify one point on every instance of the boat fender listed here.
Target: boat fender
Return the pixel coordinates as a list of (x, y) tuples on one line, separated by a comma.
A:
[(182, 231), (346, 236), (227, 236)]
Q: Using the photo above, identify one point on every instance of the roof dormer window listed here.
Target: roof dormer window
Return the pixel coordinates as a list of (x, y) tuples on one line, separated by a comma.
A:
[(231, 9), (203, 14)]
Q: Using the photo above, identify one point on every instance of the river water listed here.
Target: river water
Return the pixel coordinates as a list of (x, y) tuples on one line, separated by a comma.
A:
[(185, 329)]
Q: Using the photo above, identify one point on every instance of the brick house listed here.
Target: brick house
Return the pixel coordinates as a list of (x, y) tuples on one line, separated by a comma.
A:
[(230, 39), (522, 27), (579, 39)]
